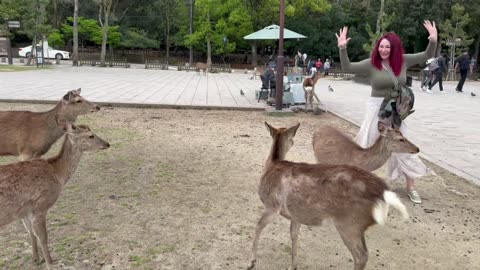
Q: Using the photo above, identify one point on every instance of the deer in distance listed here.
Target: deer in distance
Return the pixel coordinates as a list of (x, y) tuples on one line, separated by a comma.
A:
[(310, 194), (309, 89), (333, 147), (28, 189), (202, 66), (31, 134)]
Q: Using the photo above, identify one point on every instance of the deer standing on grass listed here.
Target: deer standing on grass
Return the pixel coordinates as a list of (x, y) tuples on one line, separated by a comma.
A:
[(309, 194), (31, 134), (28, 189), (310, 91), (333, 147), (202, 66)]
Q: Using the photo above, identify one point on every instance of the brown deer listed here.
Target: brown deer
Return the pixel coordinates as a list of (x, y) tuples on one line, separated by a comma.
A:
[(309, 194), (31, 134), (310, 92), (202, 66), (333, 147), (28, 189)]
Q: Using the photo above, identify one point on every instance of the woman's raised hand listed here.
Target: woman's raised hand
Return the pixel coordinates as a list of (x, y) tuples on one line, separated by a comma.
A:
[(432, 30), (342, 37)]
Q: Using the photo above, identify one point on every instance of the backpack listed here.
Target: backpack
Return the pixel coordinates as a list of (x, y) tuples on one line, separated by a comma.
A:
[(398, 105)]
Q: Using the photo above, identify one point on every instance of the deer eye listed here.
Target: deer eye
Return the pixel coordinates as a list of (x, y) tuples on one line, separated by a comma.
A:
[(79, 101), (74, 127), (402, 140), (91, 136)]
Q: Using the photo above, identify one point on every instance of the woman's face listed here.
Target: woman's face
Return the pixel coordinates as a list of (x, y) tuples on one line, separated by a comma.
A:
[(384, 49)]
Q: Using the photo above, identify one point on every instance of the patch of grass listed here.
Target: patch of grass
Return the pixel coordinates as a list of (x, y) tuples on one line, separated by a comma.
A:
[(138, 260), (286, 249), (160, 249), (20, 68), (164, 171), (3, 263)]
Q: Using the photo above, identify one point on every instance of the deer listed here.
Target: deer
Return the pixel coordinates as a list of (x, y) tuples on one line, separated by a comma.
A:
[(28, 189), (202, 66), (31, 134), (333, 147), (309, 194), (310, 92)]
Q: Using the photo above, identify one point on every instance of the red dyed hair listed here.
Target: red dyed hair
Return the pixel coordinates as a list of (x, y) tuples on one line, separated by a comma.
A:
[(396, 53)]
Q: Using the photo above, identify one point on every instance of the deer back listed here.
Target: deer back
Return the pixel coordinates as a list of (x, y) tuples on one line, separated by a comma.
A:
[(31, 134), (26, 186)]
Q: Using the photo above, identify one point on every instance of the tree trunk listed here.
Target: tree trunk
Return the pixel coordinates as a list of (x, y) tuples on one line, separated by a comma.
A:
[(254, 54), (105, 8), (209, 51), (209, 45), (379, 21), (75, 34)]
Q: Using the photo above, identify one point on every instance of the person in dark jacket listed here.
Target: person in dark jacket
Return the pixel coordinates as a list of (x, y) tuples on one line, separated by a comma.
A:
[(438, 72), (464, 64)]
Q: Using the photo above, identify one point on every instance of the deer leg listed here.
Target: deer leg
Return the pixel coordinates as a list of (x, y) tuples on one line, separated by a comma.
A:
[(39, 225), (294, 230), (354, 239), (267, 217), (306, 97), (28, 226)]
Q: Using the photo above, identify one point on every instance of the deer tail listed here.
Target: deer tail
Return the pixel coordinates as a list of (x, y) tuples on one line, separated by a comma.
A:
[(380, 211)]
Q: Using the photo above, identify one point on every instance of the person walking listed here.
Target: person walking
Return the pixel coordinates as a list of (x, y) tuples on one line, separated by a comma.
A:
[(427, 76), (464, 64), (388, 57), (441, 67)]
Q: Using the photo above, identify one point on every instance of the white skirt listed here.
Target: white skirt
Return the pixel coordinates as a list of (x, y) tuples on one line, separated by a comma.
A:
[(399, 165)]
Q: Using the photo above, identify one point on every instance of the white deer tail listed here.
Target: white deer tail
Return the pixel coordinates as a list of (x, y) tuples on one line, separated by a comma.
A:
[(380, 211)]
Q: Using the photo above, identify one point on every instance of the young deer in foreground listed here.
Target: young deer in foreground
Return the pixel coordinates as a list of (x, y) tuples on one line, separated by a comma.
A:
[(31, 134), (28, 189), (310, 92), (308, 194), (333, 147)]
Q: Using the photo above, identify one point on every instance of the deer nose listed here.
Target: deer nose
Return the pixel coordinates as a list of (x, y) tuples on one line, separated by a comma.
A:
[(417, 150), (107, 145)]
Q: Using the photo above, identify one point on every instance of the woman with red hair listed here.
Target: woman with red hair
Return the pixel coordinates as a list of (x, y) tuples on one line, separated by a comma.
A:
[(388, 57)]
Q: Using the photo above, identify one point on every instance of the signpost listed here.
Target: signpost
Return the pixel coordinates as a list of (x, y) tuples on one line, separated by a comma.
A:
[(11, 25)]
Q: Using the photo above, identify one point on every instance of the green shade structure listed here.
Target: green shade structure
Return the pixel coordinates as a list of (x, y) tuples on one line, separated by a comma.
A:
[(272, 32)]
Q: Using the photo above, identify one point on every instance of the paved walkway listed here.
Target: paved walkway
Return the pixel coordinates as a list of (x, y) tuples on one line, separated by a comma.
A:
[(446, 127)]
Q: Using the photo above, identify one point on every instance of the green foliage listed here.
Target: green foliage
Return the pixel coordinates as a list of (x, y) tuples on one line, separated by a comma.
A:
[(136, 38), (453, 29), (90, 30), (55, 38)]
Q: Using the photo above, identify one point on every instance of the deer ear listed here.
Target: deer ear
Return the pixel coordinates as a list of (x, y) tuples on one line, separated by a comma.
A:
[(68, 96), (62, 122), (382, 128), (77, 92), (270, 129), (293, 130)]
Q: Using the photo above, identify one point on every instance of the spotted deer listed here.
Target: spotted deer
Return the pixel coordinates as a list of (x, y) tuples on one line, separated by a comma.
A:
[(333, 147), (31, 134), (310, 194), (28, 189), (309, 89)]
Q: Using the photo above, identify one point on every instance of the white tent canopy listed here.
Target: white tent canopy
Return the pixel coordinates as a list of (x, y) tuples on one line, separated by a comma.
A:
[(273, 32)]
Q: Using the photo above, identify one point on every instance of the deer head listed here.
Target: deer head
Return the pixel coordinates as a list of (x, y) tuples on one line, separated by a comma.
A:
[(81, 136), (282, 140), (395, 141), (75, 105)]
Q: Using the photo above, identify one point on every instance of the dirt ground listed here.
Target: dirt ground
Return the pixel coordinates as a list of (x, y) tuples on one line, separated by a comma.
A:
[(177, 190)]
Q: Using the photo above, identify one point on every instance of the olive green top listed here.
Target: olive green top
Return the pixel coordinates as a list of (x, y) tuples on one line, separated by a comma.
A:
[(380, 80)]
